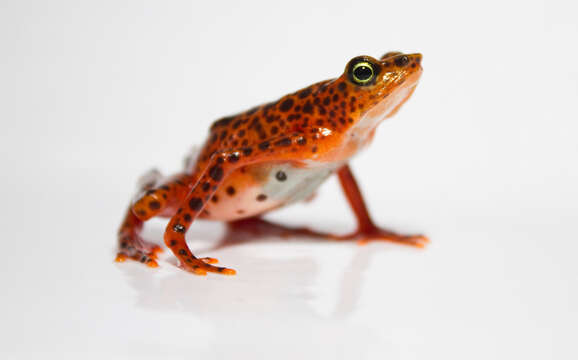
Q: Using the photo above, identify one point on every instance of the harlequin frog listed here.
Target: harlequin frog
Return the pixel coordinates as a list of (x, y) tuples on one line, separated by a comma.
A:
[(273, 155)]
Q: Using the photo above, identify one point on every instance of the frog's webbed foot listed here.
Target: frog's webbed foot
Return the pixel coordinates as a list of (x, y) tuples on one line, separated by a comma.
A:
[(366, 234), (132, 246)]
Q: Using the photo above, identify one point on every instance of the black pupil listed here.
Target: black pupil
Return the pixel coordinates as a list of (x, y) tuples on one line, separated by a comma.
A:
[(362, 72)]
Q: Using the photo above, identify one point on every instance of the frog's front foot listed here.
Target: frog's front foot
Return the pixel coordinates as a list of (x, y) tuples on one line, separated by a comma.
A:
[(203, 266), (132, 246), (368, 233)]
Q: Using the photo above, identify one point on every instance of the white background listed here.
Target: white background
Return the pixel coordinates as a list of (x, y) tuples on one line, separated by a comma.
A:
[(483, 159)]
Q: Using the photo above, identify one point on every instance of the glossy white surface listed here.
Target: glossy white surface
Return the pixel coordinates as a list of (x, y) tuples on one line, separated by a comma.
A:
[(482, 159)]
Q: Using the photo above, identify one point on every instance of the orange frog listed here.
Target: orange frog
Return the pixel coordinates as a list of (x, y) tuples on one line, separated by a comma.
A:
[(273, 155)]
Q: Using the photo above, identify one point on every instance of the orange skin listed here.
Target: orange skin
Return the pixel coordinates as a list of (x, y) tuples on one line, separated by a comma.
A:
[(313, 132)]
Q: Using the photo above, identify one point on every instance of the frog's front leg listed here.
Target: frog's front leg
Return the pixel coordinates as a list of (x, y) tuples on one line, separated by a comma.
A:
[(366, 229), (157, 196), (217, 168)]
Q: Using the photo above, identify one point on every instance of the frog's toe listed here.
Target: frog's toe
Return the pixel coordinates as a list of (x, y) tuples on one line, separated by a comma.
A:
[(137, 249), (203, 266), (154, 251), (140, 257), (209, 260)]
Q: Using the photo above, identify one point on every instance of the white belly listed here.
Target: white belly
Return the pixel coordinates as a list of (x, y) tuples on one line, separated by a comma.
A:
[(300, 183), (266, 187)]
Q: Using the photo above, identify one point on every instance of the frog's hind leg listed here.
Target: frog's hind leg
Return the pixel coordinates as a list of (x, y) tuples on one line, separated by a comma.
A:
[(260, 227), (366, 229), (157, 196)]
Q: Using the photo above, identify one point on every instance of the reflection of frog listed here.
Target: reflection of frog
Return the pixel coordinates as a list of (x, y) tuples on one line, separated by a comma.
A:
[(276, 154)]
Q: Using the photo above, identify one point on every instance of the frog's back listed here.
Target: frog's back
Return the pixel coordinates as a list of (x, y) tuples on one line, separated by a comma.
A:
[(292, 113)]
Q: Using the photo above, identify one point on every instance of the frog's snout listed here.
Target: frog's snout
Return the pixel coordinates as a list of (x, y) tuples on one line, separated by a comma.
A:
[(401, 60), (416, 57), (405, 66)]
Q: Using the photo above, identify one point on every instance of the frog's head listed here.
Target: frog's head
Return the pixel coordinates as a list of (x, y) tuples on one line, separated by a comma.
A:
[(378, 88)]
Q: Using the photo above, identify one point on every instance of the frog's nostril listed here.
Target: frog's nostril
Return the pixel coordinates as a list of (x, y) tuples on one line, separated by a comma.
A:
[(401, 61)]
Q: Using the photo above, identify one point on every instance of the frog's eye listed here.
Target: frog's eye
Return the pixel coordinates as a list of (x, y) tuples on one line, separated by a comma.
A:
[(362, 71)]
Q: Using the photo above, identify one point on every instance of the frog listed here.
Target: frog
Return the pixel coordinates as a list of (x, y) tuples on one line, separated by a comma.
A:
[(274, 155)]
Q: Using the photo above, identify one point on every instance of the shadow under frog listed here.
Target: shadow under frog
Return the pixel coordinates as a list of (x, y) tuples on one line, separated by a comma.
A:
[(266, 284), (272, 301)]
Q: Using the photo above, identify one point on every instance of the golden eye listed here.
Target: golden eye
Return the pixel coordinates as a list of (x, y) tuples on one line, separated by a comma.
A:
[(362, 72)]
